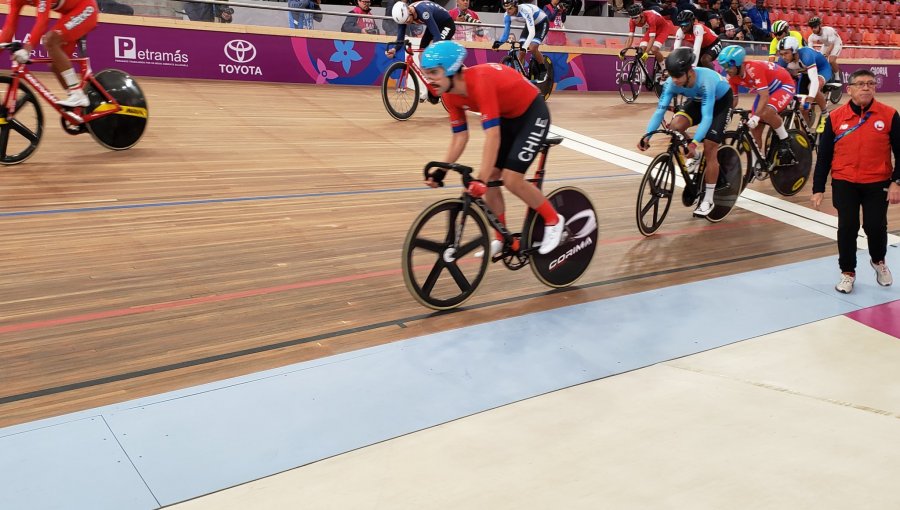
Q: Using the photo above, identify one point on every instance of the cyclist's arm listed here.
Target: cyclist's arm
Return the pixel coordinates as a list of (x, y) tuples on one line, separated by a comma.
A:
[(506, 26), (698, 42), (529, 24), (489, 154), (763, 100), (433, 28), (41, 22), (401, 36), (679, 36), (457, 146), (12, 19), (813, 82), (664, 100), (773, 50)]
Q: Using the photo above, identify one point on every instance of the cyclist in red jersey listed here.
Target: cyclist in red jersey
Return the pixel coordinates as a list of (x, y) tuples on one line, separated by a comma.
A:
[(77, 18), (705, 42), (657, 30), (774, 87), (515, 120)]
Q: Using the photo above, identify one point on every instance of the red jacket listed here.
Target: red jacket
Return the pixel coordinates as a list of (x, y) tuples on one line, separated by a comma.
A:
[(864, 155)]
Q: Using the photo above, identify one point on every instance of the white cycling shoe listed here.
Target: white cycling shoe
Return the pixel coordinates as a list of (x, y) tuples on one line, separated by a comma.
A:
[(496, 246), (76, 98), (552, 236)]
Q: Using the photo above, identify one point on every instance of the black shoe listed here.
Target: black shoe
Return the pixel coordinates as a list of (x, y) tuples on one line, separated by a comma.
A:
[(784, 154)]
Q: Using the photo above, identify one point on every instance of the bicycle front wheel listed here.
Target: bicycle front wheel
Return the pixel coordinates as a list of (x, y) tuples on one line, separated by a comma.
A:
[(399, 91), (655, 194), (439, 272), (20, 132), (630, 81), (568, 262)]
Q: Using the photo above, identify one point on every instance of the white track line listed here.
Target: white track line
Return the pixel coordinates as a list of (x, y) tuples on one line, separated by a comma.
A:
[(778, 209)]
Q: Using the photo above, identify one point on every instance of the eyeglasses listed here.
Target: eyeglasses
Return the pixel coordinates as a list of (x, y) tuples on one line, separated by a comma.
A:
[(864, 84)]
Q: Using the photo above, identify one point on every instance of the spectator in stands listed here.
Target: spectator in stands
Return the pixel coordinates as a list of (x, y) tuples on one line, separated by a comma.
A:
[(556, 13), (113, 7), (752, 32), (855, 147), (463, 14), (303, 20), (714, 22), (733, 14), (209, 12), (760, 16), (732, 33), (669, 10), (359, 25)]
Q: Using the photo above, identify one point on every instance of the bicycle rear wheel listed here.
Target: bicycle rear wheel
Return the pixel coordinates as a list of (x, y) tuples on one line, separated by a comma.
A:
[(20, 133), (399, 91), (545, 85), (568, 262), (630, 80), (437, 275), (655, 195), (789, 180), (744, 150), (123, 129), (729, 184)]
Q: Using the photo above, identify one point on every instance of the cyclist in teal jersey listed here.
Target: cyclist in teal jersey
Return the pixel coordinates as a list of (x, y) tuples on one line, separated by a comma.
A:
[(709, 100)]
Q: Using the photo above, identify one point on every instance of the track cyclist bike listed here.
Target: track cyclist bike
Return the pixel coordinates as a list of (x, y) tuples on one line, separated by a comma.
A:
[(794, 118), (401, 85), (545, 83), (658, 184), (115, 117), (634, 75), (440, 266), (787, 180)]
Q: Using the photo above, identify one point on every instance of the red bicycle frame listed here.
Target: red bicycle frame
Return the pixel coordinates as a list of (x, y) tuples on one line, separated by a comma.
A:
[(411, 64), (20, 72)]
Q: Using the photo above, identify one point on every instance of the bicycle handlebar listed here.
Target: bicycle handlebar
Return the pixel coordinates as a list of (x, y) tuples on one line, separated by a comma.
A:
[(438, 176), (675, 136), (13, 46), (741, 112)]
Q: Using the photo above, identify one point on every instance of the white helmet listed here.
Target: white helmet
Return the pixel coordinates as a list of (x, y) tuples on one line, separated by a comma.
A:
[(789, 43), (400, 13)]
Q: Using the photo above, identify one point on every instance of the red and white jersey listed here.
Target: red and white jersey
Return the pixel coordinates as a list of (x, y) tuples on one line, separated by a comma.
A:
[(759, 75), (654, 23), (700, 31), (495, 90)]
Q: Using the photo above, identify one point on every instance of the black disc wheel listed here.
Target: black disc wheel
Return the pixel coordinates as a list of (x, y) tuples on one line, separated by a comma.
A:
[(729, 184), (123, 129), (567, 263), (440, 271), (745, 152), (835, 94), (21, 130), (630, 80), (655, 195), (788, 180), (544, 83), (399, 91)]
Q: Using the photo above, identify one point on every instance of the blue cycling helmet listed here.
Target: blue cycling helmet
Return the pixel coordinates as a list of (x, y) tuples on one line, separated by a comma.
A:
[(732, 56), (446, 54)]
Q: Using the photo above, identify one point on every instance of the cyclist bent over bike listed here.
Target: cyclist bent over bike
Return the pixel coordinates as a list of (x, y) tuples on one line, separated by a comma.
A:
[(537, 24), (774, 87), (709, 100), (77, 18), (656, 30), (515, 120)]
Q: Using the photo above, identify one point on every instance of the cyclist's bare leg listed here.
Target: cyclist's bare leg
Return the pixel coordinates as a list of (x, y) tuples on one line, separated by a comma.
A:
[(517, 185), (706, 61), (680, 123), (493, 197), (657, 54), (60, 62), (832, 59), (711, 150), (770, 117)]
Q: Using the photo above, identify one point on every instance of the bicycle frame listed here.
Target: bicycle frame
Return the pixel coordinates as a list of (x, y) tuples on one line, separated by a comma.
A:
[(676, 146), (411, 65), (19, 72)]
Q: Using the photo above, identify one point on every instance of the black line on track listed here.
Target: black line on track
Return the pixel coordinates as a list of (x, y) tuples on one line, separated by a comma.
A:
[(370, 327)]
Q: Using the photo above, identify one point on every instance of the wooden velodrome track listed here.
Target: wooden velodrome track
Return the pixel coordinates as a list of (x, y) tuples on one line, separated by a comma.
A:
[(258, 225)]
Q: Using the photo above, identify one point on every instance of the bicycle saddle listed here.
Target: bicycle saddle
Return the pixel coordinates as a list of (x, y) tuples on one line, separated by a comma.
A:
[(553, 140)]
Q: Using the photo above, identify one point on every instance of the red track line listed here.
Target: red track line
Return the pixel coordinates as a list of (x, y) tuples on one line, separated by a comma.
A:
[(182, 303)]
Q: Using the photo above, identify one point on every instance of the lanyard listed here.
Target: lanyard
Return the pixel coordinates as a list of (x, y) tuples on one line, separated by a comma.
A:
[(847, 132)]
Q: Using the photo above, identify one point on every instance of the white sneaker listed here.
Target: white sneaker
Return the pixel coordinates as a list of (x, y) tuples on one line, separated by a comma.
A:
[(552, 236), (77, 97), (703, 209), (882, 274), (845, 286), (496, 246)]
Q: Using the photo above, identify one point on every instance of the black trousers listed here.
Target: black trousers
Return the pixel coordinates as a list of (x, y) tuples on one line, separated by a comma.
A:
[(847, 198)]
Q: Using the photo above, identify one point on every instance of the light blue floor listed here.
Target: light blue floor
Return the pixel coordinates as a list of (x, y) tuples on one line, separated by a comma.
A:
[(167, 448)]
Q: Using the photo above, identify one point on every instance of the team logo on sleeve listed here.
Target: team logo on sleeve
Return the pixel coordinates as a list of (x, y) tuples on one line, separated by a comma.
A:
[(426, 15)]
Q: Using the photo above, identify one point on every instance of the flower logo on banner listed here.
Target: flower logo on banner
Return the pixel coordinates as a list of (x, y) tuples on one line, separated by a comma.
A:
[(323, 73), (345, 54)]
